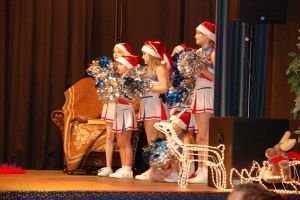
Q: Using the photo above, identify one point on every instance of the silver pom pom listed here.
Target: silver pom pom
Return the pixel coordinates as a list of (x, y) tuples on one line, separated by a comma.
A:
[(135, 83), (190, 63)]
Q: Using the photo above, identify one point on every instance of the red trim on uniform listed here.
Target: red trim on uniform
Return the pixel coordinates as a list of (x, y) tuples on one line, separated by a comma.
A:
[(195, 106), (123, 101), (193, 175), (127, 129), (195, 111), (163, 112), (162, 116), (104, 117), (107, 120), (148, 118), (205, 77), (205, 109)]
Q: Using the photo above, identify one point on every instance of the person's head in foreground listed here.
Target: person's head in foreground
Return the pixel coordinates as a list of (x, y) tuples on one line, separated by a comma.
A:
[(251, 191)]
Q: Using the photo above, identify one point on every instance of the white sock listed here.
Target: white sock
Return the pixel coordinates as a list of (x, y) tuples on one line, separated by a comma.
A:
[(127, 168), (201, 170)]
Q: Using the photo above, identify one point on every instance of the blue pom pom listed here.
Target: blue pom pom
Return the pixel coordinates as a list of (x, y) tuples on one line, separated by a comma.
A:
[(181, 90), (99, 83), (139, 81), (109, 75), (175, 57), (128, 80), (88, 73), (173, 97), (104, 61)]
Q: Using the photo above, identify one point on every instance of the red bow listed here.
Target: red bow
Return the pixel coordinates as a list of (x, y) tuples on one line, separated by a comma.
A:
[(291, 155)]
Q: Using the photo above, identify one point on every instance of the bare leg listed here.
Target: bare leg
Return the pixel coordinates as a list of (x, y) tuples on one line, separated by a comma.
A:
[(151, 132), (128, 148), (109, 146), (124, 142), (202, 121)]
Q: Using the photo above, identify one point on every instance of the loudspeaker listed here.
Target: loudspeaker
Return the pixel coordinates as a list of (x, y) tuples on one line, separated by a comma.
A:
[(245, 139), (260, 11)]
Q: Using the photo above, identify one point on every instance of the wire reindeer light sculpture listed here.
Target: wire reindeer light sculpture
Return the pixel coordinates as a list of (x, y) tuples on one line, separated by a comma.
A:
[(213, 157)]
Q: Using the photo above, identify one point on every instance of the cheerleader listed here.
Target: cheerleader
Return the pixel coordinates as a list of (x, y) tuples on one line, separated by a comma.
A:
[(107, 115), (152, 109), (203, 102), (180, 122), (124, 123)]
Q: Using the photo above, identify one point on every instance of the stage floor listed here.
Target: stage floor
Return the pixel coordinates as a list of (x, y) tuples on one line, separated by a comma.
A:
[(56, 180)]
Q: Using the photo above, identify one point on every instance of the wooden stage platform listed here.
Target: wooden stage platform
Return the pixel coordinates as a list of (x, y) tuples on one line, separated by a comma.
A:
[(54, 184), (49, 182), (56, 180)]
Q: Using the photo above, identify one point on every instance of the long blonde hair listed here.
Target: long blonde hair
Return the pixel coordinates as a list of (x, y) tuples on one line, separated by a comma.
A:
[(153, 62)]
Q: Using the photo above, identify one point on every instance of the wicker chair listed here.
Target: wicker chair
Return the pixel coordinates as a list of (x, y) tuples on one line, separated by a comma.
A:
[(92, 160)]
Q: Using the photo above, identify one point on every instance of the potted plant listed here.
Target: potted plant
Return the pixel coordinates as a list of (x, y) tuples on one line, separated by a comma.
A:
[(293, 73)]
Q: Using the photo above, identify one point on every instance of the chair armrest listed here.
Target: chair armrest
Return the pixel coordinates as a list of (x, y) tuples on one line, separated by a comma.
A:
[(57, 116)]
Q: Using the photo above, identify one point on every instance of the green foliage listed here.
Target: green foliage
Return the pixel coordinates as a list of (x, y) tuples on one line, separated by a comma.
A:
[(293, 74)]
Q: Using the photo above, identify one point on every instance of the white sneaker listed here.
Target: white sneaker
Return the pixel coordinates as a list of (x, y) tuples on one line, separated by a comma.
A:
[(122, 173), (201, 176), (144, 176), (172, 178), (192, 169), (105, 171)]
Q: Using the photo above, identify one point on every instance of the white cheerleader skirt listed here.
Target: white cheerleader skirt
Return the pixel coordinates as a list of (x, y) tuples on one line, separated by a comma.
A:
[(178, 108), (203, 100), (108, 112), (125, 119), (152, 108)]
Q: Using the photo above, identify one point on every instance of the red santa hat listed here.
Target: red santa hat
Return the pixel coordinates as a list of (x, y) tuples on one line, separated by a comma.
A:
[(129, 61), (167, 60), (181, 47), (154, 48), (125, 48), (157, 50), (181, 119), (208, 29)]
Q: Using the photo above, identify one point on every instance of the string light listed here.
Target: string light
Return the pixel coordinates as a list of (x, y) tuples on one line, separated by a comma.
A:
[(263, 175), (213, 157)]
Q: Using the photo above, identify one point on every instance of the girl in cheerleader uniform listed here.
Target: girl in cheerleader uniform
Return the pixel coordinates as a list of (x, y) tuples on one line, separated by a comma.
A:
[(108, 112), (124, 122), (180, 121), (151, 107), (181, 106), (203, 100)]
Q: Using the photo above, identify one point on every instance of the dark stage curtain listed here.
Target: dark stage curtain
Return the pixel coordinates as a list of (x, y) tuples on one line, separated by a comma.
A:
[(45, 47), (241, 73)]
